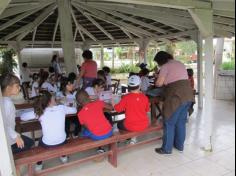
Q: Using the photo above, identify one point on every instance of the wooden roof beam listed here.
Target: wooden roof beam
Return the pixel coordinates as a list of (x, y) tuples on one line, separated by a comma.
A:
[(103, 16), (20, 9), (183, 4), (3, 5), (80, 27), (161, 17), (29, 27), (55, 31), (18, 18), (133, 20), (99, 27)]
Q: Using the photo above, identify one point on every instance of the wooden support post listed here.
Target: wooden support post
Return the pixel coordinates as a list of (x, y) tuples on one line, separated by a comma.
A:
[(64, 11)]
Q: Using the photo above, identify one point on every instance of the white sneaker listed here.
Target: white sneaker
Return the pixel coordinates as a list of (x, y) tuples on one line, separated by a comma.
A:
[(64, 159), (100, 150), (38, 167), (133, 141)]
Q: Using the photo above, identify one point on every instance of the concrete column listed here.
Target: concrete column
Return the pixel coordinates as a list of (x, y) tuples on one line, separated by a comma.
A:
[(200, 71), (143, 46), (102, 56), (67, 35), (7, 167), (218, 60), (209, 87), (113, 57)]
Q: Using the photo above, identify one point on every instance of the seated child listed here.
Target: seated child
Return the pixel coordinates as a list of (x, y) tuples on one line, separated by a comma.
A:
[(107, 71), (52, 118), (98, 87), (44, 83), (10, 86), (191, 80), (68, 94), (145, 81), (35, 85), (136, 106), (92, 117)]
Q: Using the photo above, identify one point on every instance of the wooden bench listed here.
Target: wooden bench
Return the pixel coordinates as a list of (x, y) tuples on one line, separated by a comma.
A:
[(124, 135), (31, 157)]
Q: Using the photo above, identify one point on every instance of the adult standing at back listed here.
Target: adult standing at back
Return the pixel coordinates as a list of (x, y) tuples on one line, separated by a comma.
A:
[(88, 69), (25, 78), (178, 97), (56, 65)]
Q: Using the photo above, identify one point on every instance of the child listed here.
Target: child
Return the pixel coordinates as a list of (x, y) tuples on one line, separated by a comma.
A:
[(45, 84), (10, 86), (92, 117), (191, 80), (145, 81), (136, 106), (35, 86), (67, 92), (94, 92), (101, 75), (107, 71), (190, 77), (52, 119), (98, 87)]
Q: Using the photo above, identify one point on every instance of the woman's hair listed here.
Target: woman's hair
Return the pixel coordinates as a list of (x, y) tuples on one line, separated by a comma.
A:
[(82, 97), (72, 77), (64, 82), (54, 58), (99, 82), (8, 80), (87, 54), (43, 78), (106, 69), (41, 102), (163, 57)]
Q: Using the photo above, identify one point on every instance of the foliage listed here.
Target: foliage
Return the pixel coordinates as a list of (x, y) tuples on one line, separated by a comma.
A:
[(8, 63), (187, 48), (228, 65), (126, 69), (118, 52)]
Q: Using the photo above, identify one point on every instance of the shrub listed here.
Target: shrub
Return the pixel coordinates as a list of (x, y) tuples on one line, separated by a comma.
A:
[(228, 65)]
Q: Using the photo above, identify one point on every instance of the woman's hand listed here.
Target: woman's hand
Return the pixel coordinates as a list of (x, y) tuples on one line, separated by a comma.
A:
[(20, 142)]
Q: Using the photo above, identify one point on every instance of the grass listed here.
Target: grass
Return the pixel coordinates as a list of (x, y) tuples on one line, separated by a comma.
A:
[(228, 65)]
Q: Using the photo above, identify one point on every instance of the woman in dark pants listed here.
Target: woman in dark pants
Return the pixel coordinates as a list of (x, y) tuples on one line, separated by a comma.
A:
[(178, 97)]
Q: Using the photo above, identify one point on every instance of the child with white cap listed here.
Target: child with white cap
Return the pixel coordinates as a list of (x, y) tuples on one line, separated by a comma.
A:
[(136, 106)]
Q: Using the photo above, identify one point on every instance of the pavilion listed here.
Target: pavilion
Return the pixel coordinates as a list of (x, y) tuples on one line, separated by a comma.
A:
[(71, 24)]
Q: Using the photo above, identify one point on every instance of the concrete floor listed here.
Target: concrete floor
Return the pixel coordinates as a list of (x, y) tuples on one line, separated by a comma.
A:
[(143, 161)]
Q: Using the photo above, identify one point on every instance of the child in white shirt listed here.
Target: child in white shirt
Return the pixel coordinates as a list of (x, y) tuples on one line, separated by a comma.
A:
[(45, 84), (145, 81), (98, 87), (35, 86), (68, 94), (52, 118), (10, 86)]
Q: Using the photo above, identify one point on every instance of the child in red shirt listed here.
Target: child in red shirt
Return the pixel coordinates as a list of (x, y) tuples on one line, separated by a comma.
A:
[(91, 116), (136, 106)]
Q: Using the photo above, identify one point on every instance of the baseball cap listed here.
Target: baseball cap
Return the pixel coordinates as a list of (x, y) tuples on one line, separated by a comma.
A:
[(134, 81)]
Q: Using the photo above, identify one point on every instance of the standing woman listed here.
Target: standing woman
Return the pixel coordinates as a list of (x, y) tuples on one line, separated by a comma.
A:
[(56, 65), (178, 96), (88, 70)]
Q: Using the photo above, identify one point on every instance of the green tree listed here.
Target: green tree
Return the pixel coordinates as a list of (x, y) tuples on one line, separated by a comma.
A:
[(8, 63)]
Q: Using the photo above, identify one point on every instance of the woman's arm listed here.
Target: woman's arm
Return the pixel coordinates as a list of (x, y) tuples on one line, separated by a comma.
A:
[(160, 81)]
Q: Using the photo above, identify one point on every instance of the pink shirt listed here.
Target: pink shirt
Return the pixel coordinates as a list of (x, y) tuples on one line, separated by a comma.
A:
[(173, 71), (90, 68)]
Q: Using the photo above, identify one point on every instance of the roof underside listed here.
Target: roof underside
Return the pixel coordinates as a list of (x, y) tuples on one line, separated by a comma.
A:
[(102, 22)]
